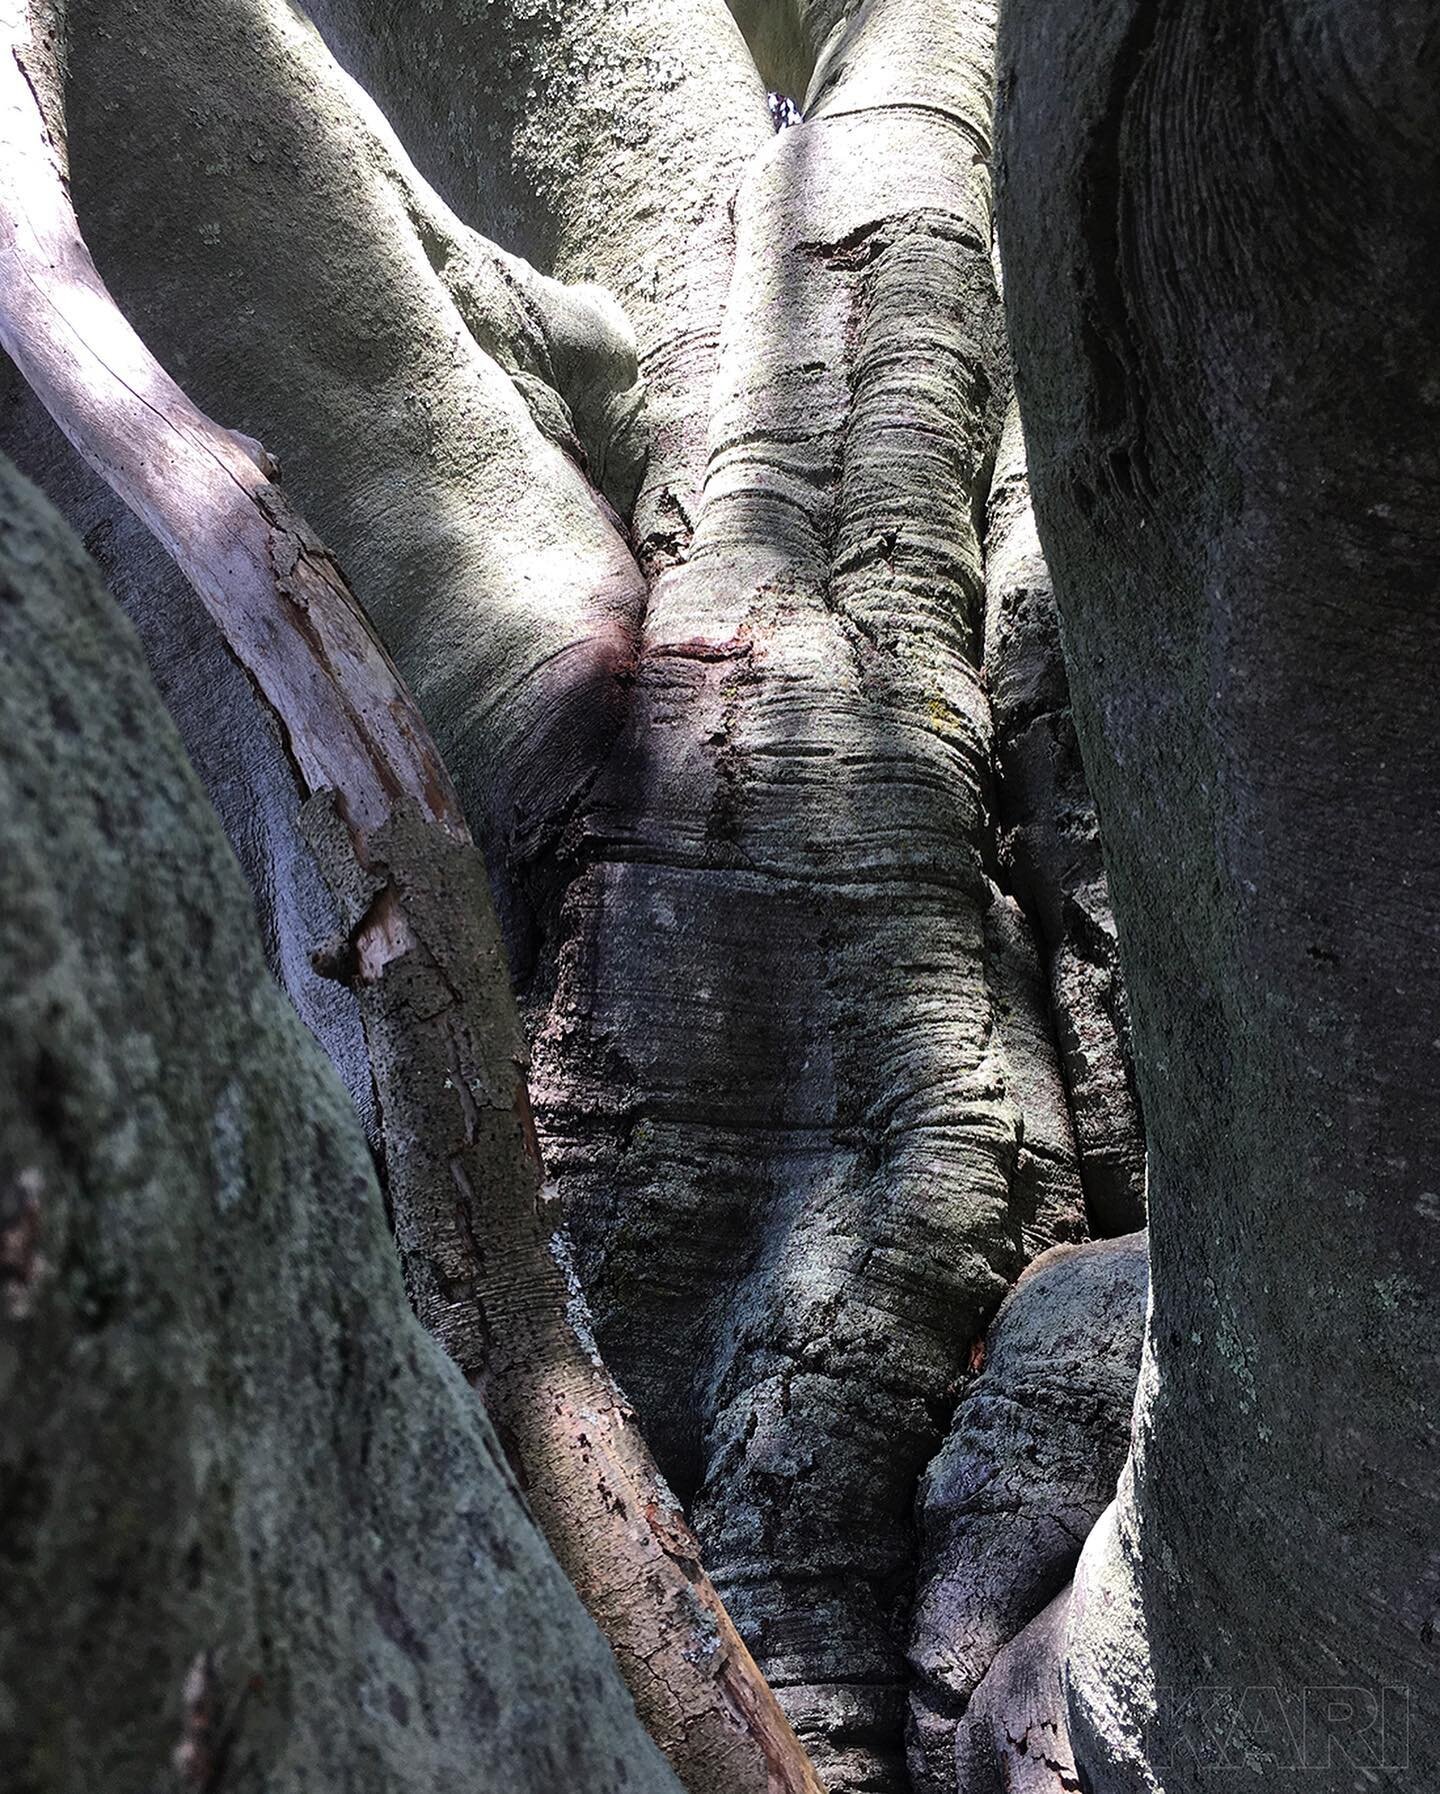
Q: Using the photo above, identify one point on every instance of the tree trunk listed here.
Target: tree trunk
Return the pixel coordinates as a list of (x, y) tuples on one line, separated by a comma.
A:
[(421, 950), (1050, 848), (797, 1076), (800, 1088), (1219, 236), (258, 1534)]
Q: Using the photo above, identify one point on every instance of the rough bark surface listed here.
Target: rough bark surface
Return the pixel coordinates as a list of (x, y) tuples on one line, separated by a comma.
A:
[(222, 1422), (1030, 1465), (1050, 848), (421, 949), (799, 1077), (240, 758), (797, 1081), (1014, 1738), (1220, 238)]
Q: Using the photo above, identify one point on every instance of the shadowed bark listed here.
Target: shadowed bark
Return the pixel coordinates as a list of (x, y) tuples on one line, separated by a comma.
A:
[(258, 1534), (1220, 239), (799, 1081), (1030, 1465), (1050, 848), (797, 1078)]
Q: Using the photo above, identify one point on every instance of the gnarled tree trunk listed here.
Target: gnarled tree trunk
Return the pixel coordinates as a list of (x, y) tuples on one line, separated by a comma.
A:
[(483, 1264), (733, 763)]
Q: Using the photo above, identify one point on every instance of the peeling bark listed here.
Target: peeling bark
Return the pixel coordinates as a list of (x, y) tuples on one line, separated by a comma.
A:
[(257, 1535)]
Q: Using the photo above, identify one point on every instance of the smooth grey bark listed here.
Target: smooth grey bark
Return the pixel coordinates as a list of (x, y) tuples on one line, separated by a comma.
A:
[(259, 223), (1219, 240), (483, 1265), (258, 1532), (604, 140), (1029, 1466)]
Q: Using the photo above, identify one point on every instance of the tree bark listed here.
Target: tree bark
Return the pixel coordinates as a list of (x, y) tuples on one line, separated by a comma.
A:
[(797, 1077), (1030, 1465), (606, 140), (1050, 848), (801, 1186), (464, 1176), (257, 1532), (1215, 220)]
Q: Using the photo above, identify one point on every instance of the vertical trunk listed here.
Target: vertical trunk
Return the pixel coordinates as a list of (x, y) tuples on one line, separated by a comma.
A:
[(796, 1079), (1050, 848), (1219, 232)]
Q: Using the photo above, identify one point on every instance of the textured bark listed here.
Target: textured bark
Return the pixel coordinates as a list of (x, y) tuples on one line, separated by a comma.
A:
[(1014, 1738), (229, 737), (797, 1082), (799, 1076), (260, 225), (257, 1532), (1030, 1465), (1051, 848), (604, 139), (421, 949), (1219, 232)]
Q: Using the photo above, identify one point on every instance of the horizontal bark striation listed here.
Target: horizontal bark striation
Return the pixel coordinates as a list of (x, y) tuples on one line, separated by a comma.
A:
[(1050, 847), (1215, 219), (420, 948), (257, 1531), (1030, 1465), (796, 1083)]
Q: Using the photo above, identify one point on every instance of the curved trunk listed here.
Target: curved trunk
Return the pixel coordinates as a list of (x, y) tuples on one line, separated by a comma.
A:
[(425, 396), (604, 140), (258, 1534), (1030, 1465), (1219, 229)]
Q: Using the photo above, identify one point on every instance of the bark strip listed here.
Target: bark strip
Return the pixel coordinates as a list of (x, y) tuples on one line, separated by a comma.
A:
[(421, 948)]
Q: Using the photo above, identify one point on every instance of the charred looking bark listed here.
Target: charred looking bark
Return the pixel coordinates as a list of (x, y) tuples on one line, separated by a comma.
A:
[(1236, 198)]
